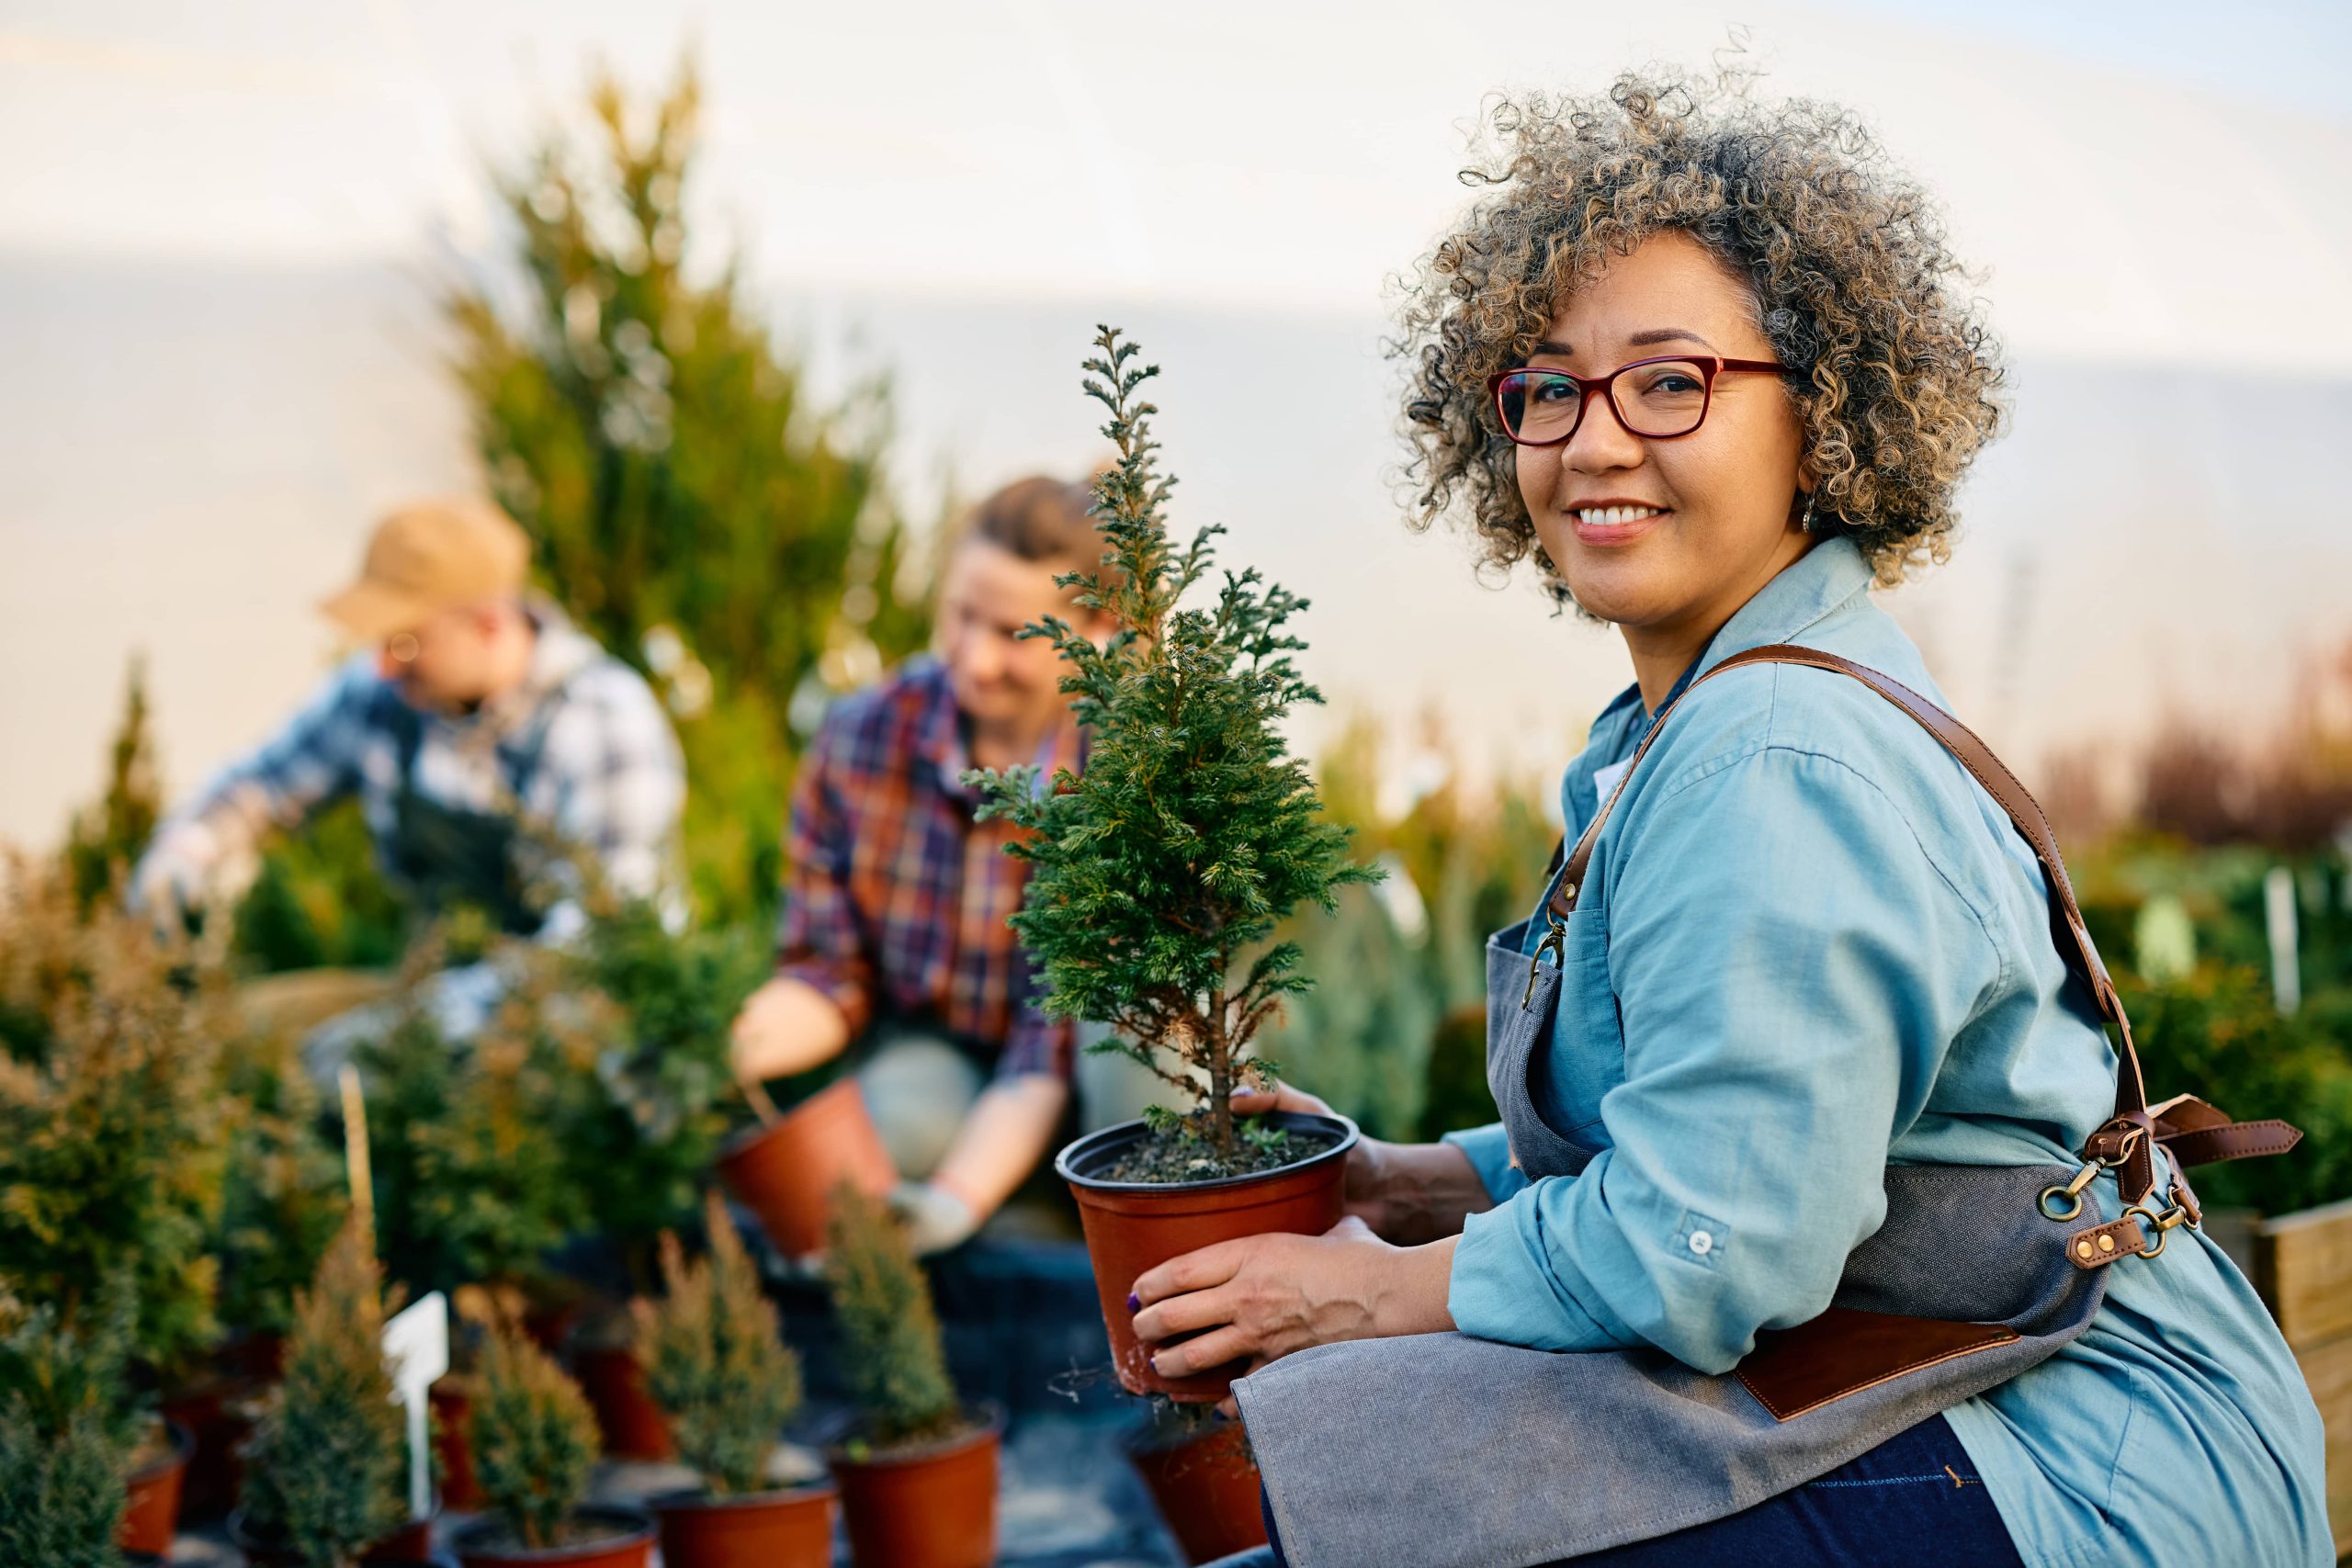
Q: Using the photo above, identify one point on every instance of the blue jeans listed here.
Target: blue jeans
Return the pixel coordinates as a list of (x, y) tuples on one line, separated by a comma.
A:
[(1914, 1499)]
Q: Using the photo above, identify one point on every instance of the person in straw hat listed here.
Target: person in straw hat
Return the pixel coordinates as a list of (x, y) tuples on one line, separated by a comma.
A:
[(486, 738)]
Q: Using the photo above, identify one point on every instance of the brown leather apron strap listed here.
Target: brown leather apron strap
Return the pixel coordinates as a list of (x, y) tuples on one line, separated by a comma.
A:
[(2128, 1140)]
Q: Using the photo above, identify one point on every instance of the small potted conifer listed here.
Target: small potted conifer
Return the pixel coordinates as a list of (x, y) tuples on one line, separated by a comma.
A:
[(1203, 1477), (918, 1471), (533, 1441), (66, 1434), (716, 1361), (1158, 875), (326, 1469)]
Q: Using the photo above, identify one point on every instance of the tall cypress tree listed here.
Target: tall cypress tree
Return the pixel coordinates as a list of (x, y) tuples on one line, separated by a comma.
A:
[(1192, 831)]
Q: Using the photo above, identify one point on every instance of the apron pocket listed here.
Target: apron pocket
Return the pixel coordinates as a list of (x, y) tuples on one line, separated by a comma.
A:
[(1845, 1351)]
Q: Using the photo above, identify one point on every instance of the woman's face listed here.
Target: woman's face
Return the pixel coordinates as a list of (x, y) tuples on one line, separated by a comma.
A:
[(1711, 518), (987, 595)]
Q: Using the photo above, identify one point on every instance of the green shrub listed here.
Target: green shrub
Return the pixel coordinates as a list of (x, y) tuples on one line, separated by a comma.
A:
[(111, 1134), (66, 1434), (284, 1193), (715, 1359), (472, 1183), (327, 1466), (2215, 1034), (534, 1438), (896, 1366), (653, 1111)]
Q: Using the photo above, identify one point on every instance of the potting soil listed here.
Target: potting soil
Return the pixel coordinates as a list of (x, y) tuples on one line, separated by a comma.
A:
[(1165, 1156)]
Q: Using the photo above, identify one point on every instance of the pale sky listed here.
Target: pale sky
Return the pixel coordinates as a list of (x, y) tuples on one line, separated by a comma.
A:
[(216, 221)]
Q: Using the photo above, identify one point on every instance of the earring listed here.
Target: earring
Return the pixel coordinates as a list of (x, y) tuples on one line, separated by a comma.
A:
[(1805, 523)]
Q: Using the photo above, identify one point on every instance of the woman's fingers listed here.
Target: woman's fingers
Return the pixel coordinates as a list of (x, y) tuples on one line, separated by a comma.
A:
[(1210, 1349), (1282, 1097), (1204, 1269), (1181, 1314)]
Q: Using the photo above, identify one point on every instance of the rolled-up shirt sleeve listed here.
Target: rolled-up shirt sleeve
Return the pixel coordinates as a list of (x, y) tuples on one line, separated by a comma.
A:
[(1790, 966), (819, 940)]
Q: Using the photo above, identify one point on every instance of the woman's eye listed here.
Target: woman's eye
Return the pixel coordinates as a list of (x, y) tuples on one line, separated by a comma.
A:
[(1551, 390)]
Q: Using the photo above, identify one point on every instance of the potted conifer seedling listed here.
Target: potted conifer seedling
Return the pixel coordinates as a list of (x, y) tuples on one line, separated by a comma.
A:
[(716, 1361), (66, 1434), (918, 1471), (326, 1469), (1158, 878), (533, 1441)]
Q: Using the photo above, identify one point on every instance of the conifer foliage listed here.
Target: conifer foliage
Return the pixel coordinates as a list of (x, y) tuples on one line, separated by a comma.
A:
[(327, 1465), (715, 1359), (1193, 831), (66, 1432), (897, 1367), (534, 1439)]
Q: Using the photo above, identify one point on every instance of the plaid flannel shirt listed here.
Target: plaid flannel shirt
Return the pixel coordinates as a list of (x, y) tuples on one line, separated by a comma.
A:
[(896, 901), (610, 779)]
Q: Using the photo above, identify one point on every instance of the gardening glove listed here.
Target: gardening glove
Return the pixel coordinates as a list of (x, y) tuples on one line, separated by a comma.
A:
[(936, 1218)]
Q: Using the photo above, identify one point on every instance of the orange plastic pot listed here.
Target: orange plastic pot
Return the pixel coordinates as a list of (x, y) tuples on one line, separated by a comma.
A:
[(784, 1172), (152, 1516), (633, 1426), (623, 1538), (927, 1506), (453, 1444), (789, 1529), (1207, 1490), (1134, 1226)]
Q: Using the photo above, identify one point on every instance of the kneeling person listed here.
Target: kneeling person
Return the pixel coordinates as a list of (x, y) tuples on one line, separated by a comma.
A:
[(894, 935)]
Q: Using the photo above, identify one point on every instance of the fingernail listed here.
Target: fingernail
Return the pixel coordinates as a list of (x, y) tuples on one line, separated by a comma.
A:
[(1154, 1363), (1135, 1301)]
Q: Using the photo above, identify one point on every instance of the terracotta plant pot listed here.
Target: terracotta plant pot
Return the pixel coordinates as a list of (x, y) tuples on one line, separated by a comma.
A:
[(453, 1445), (1132, 1226), (785, 1171), (789, 1528), (613, 1378), (153, 1516), (219, 1415), (1207, 1489), (624, 1540), (410, 1544), (932, 1506)]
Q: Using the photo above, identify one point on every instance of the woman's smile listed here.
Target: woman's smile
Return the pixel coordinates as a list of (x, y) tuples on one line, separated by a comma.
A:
[(1603, 524)]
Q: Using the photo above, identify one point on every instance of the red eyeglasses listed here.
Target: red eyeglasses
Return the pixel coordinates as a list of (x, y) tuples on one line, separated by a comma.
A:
[(1658, 398)]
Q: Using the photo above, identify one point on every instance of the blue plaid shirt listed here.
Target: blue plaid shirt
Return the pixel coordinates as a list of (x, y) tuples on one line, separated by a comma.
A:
[(580, 749)]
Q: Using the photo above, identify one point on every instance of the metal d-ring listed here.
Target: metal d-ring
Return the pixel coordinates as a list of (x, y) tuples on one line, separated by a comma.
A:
[(1555, 943)]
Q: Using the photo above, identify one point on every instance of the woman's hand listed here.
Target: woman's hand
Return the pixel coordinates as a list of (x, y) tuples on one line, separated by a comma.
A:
[(1406, 1193), (1261, 1297)]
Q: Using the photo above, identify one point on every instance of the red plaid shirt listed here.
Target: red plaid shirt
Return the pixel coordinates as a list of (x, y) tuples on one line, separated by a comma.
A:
[(896, 901)]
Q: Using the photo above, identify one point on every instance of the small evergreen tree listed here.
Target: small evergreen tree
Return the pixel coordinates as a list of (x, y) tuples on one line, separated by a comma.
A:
[(1193, 831), (66, 1434), (688, 499), (715, 1359), (284, 1194), (107, 839), (898, 1368), (327, 1464), (533, 1440)]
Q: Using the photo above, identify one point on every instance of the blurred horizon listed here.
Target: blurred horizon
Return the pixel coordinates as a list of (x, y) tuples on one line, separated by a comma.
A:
[(216, 282)]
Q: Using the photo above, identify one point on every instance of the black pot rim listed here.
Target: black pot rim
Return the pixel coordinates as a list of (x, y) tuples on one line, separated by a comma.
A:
[(242, 1535), (1118, 1135), (639, 1526), (697, 1499), (988, 1419)]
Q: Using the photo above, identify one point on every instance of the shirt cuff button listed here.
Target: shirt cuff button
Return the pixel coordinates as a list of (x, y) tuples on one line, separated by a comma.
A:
[(1702, 1243)]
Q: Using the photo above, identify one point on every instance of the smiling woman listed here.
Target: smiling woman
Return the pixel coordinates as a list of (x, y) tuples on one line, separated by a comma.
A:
[(1753, 1267)]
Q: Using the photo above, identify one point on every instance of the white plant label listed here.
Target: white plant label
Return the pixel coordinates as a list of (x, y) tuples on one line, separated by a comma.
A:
[(417, 1349)]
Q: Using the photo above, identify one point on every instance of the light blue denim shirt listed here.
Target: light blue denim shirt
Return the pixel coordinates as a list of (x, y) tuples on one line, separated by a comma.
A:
[(1809, 945)]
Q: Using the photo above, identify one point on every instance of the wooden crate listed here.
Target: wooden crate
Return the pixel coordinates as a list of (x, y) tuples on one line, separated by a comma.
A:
[(2302, 1265)]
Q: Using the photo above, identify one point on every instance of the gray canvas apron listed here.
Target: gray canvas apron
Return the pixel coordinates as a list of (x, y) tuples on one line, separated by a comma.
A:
[(448, 857), (1443, 1451)]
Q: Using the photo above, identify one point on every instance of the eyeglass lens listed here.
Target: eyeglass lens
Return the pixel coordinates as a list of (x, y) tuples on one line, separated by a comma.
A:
[(1668, 398)]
